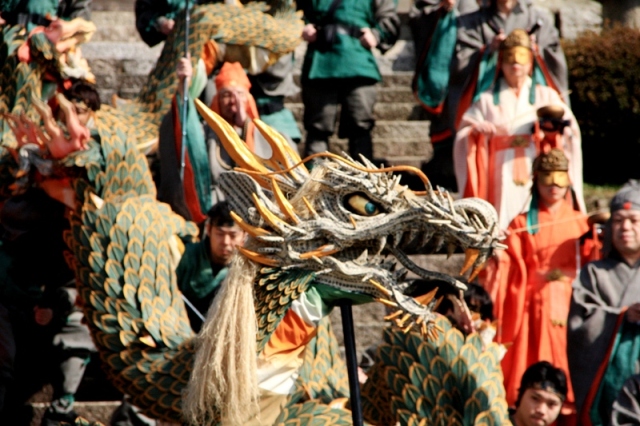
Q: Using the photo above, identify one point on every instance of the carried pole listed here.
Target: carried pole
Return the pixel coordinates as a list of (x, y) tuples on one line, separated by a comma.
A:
[(185, 93), (352, 361)]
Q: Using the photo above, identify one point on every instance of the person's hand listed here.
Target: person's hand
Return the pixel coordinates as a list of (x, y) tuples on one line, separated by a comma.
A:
[(43, 316), (497, 40), (447, 4), (633, 313), (165, 25), (2, 21), (367, 39), (486, 127), (309, 33), (503, 234), (184, 70), (241, 115)]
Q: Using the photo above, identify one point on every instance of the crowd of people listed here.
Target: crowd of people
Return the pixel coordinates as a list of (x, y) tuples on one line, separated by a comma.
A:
[(492, 77)]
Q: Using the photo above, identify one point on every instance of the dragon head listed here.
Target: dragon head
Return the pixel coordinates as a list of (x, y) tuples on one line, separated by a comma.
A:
[(345, 219)]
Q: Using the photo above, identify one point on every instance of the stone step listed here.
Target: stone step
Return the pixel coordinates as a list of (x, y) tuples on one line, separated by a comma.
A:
[(119, 51), (108, 14), (400, 152), (381, 111), (115, 26), (121, 5), (402, 130), (393, 94), (404, 133), (142, 59), (389, 80)]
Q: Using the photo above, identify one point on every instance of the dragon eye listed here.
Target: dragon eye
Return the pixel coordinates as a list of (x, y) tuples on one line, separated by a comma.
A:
[(361, 205)]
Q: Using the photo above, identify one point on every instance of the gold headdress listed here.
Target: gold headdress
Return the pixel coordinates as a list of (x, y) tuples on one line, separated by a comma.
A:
[(552, 168), (516, 48)]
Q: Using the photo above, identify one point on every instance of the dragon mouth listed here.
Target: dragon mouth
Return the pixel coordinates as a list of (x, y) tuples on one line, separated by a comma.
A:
[(425, 273), (415, 307)]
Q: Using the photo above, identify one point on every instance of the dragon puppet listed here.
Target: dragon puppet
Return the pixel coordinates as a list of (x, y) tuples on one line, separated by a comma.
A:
[(266, 354)]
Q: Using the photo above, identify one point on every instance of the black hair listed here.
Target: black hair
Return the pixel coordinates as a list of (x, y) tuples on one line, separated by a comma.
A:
[(82, 90), (476, 297), (478, 300), (544, 373), (220, 215)]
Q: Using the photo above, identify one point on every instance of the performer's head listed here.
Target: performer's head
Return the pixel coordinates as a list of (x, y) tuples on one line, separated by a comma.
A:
[(551, 176), (84, 97), (542, 392), (233, 95), (516, 56), (224, 234), (625, 221)]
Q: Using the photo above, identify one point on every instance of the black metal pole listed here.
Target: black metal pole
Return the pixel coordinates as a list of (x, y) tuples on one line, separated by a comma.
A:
[(352, 361), (185, 94)]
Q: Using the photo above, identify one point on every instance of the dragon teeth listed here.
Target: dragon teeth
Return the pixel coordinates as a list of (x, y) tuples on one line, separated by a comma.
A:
[(363, 258), (451, 248), (400, 274), (388, 265), (397, 237)]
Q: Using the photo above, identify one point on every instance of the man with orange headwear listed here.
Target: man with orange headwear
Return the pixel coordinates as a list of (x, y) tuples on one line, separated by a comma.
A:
[(206, 157), (234, 102)]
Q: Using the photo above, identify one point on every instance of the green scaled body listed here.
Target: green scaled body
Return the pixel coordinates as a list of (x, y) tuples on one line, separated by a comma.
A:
[(451, 380)]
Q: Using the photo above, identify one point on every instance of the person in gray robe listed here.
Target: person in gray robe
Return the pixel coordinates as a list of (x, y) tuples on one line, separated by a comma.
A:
[(488, 26), (424, 15), (602, 291)]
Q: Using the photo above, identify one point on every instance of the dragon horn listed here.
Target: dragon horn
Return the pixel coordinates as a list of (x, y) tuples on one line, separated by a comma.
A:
[(470, 256), (254, 231), (274, 221), (283, 203), (237, 149), (257, 257), (282, 152)]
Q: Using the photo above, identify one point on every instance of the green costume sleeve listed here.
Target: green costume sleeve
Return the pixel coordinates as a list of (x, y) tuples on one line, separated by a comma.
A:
[(331, 296), (196, 277), (197, 152), (432, 80), (625, 354)]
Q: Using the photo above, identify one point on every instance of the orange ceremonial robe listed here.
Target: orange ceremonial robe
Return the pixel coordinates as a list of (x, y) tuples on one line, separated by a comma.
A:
[(532, 292)]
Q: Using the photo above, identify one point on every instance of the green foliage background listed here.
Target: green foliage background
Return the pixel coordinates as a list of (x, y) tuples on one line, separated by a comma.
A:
[(604, 79)]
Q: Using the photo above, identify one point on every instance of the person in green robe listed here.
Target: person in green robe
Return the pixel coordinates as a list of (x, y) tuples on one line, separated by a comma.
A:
[(340, 69), (205, 264)]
